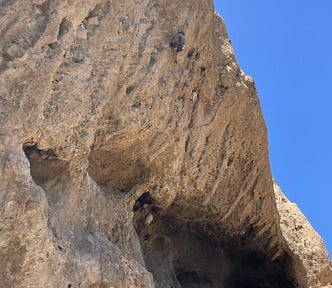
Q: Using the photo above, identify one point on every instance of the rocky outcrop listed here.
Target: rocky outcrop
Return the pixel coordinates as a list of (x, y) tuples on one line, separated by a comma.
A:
[(123, 168), (304, 242)]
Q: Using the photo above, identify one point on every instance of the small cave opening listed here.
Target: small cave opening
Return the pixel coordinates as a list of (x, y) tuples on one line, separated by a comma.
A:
[(47, 171), (181, 257), (143, 201)]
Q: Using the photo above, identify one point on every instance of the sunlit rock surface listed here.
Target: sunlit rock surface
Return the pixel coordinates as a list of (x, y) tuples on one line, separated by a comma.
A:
[(123, 168)]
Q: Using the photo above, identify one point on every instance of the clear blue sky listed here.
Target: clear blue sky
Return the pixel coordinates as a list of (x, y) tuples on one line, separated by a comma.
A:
[(286, 46)]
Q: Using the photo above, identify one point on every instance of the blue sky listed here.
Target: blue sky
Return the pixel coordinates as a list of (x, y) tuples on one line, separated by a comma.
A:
[(286, 47)]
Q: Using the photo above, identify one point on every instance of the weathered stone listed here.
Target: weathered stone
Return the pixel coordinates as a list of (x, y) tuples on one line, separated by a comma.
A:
[(306, 245), (100, 129)]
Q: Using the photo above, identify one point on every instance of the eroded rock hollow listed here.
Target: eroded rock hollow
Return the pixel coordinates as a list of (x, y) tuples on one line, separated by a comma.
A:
[(123, 166)]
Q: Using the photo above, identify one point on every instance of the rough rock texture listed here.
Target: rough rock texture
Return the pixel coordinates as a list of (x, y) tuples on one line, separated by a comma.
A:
[(303, 241), (123, 168)]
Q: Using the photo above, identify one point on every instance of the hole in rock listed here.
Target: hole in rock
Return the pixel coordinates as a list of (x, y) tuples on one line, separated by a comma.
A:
[(129, 89), (47, 171), (143, 201), (137, 105), (62, 249), (183, 257), (54, 45), (152, 61), (191, 52)]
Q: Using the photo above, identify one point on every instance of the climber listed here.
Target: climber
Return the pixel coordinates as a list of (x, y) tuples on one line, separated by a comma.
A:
[(180, 44)]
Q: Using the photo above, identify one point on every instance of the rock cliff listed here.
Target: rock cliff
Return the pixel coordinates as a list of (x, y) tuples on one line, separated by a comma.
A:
[(123, 168)]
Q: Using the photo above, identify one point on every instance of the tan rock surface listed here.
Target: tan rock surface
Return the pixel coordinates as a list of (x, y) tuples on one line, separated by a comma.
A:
[(123, 168), (304, 241)]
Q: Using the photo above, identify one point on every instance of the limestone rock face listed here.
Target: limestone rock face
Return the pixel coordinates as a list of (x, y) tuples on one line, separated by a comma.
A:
[(123, 168), (305, 243)]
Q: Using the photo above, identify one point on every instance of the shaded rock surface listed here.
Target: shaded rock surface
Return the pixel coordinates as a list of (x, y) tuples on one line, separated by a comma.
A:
[(123, 168)]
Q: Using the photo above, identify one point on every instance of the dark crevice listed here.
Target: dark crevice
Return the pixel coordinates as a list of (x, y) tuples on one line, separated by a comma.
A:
[(144, 200), (190, 53), (54, 45), (146, 35), (64, 28), (129, 89)]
